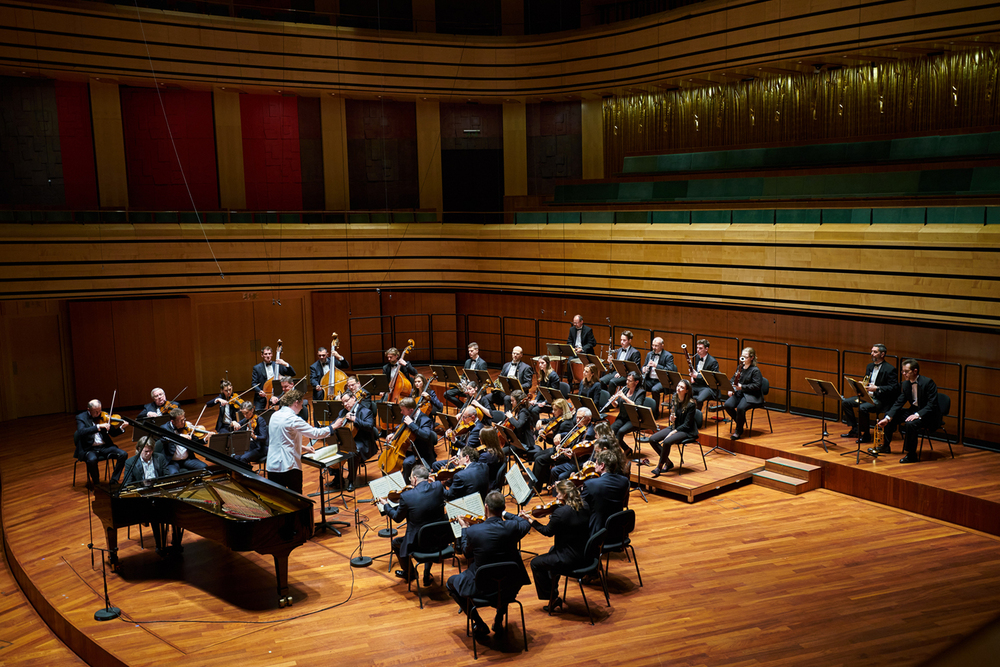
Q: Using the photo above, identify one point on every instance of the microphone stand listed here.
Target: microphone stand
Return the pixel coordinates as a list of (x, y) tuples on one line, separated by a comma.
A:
[(360, 560), (108, 613)]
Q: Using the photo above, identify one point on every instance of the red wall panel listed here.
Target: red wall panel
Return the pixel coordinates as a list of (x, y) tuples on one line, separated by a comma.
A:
[(271, 154), (76, 142), (155, 180)]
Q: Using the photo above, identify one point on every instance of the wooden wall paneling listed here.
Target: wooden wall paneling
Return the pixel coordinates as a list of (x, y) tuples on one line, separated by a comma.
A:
[(95, 364), (153, 348), (272, 321), (37, 371), (226, 342), (429, 154), (515, 157), (592, 138), (335, 153)]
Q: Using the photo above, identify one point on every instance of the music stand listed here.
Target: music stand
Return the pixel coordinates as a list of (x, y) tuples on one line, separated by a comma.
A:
[(863, 397), (374, 384), (824, 388), (481, 378), (447, 374), (585, 402), (623, 368), (668, 380), (509, 385), (642, 418), (138, 431), (560, 350), (389, 413), (720, 384), (229, 444), (593, 359), (325, 412), (549, 396)]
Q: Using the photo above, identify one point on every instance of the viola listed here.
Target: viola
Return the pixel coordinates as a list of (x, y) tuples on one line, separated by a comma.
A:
[(472, 519), (396, 494), (588, 471), (167, 407), (545, 509), (449, 471)]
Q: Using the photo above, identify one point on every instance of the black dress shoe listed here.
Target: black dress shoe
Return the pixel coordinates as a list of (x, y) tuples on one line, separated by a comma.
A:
[(553, 605), (402, 575), (481, 630), (498, 625), (881, 449), (736, 435), (865, 439), (853, 433), (670, 466), (428, 579), (909, 458), (655, 472)]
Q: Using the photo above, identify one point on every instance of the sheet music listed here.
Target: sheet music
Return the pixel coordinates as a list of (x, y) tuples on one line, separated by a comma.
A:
[(325, 455), (470, 504), (381, 487), (518, 487)]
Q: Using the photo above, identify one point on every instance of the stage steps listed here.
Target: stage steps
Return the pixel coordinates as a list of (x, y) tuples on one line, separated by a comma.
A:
[(789, 476)]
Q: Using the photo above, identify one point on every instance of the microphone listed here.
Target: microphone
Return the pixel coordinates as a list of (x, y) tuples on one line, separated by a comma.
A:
[(360, 560)]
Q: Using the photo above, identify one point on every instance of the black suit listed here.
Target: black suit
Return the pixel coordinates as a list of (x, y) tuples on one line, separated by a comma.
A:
[(134, 469), (885, 395), (749, 396), (493, 541), (571, 530), (700, 390), (258, 376), (189, 462), (609, 380), (926, 407), (228, 413), (364, 420), (523, 373), (417, 507), (475, 478), (587, 340), (424, 440), (605, 495), (407, 368), (651, 383), (89, 450), (455, 395), (316, 374), (257, 449)]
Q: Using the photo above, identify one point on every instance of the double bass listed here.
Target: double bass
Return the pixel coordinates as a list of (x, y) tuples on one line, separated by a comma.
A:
[(399, 384), (397, 445), (268, 387), (335, 378)]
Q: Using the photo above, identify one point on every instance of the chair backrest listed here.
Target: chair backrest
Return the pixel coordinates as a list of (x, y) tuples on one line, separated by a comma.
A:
[(498, 579), (699, 418), (765, 386), (594, 544), (501, 478), (434, 537), (944, 404), (605, 397), (649, 402), (619, 525), (564, 389)]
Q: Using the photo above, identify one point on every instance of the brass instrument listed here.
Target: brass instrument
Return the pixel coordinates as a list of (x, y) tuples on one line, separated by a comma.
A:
[(878, 436)]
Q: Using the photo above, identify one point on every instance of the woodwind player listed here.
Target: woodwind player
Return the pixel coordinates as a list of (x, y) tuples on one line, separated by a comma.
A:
[(882, 386), (703, 361), (656, 359)]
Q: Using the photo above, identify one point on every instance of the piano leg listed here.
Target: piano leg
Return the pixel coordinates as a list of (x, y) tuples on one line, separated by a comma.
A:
[(281, 571)]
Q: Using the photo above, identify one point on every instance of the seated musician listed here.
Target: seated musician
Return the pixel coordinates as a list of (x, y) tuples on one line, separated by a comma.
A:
[(146, 464), (421, 390), (590, 385), (569, 526), (466, 433), (155, 408), (229, 412), (581, 339), (600, 443), (612, 381), (561, 452), (491, 453), (360, 419), (455, 394), (493, 541), (749, 391), (322, 368), (546, 378), (560, 423), (514, 369), (608, 493), (423, 437), (923, 411), (656, 359), (393, 361), (473, 476), (520, 418), (631, 393), (353, 386), (681, 426), (257, 449), (883, 387), (703, 361), (93, 440), (272, 369), (178, 456), (419, 506)]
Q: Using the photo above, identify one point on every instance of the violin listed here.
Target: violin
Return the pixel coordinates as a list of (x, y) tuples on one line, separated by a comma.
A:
[(195, 431), (104, 418), (549, 430), (545, 509), (472, 519), (588, 471), (449, 471), (396, 494), (167, 407), (249, 424)]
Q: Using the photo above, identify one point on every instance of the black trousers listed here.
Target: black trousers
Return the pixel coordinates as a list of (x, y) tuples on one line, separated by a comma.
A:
[(290, 479)]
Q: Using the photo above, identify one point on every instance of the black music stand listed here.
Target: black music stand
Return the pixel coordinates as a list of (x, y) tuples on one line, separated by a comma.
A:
[(230, 444), (481, 378), (324, 509), (824, 388), (374, 384), (642, 418), (720, 384), (138, 431), (447, 374), (623, 368), (325, 412), (668, 380), (593, 359), (585, 402), (863, 397), (509, 385), (549, 396)]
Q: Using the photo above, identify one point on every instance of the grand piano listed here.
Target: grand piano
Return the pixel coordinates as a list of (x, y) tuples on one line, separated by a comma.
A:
[(227, 503)]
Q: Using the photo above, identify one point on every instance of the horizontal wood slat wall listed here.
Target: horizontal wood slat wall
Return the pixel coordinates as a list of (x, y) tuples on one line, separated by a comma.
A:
[(96, 40), (935, 273)]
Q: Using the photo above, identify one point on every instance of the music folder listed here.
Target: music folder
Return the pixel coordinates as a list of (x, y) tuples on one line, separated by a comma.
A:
[(481, 378), (859, 390), (509, 385), (593, 359), (448, 374)]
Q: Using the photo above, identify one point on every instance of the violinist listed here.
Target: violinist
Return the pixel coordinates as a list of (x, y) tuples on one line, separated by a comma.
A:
[(749, 391), (516, 369), (682, 426), (146, 464), (473, 476), (495, 540), (392, 358), (93, 440), (353, 386), (560, 423), (419, 506), (454, 394), (625, 352), (607, 494), (602, 442), (491, 454), (422, 431), (469, 427), (634, 394), (229, 410), (521, 418), (178, 456), (558, 461), (569, 527), (321, 368), (361, 421), (158, 406), (257, 449), (269, 368), (422, 390), (656, 359)]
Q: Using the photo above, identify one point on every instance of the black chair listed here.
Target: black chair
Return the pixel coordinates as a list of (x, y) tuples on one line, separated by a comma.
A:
[(592, 560), (605, 397), (944, 406), (435, 544), (699, 420), (619, 526), (765, 388), (79, 453), (500, 479), (564, 389), (494, 589)]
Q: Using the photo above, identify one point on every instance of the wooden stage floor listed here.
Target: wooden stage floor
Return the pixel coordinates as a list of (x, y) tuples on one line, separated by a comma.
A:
[(744, 575)]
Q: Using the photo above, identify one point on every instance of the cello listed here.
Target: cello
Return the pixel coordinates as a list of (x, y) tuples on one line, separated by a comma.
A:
[(335, 378), (399, 384), (268, 387), (397, 445)]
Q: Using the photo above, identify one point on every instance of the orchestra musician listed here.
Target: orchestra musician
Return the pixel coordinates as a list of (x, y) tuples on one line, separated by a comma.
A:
[(268, 369), (634, 394), (146, 464), (156, 407), (468, 418), (923, 410), (590, 385), (393, 361), (228, 412), (547, 378), (93, 440), (557, 463), (581, 337), (495, 540), (656, 359), (749, 391), (703, 361), (285, 432), (353, 386), (682, 426), (178, 456), (491, 453), (521, 419), (560, 423), (625, 353), (321, 367), (883, 386), (455, 395), (474, 476), (420, 389), (257, 448), (424, 438), (419, 506), (517, 369), (356, 416), (569, 526), (608, 493)]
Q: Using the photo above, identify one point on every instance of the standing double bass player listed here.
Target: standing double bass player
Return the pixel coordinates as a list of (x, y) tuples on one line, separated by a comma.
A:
[(269, 368)]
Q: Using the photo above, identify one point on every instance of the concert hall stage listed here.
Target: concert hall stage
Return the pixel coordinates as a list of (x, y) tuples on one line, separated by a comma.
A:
[(862, 571)]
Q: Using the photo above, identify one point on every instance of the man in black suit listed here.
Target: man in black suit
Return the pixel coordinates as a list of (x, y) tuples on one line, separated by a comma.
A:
[(178, 456), (493, 541), (625, 353), (656, 359), (515, 368), (419, 506), (455, 395), (581, 339), (321, 367), (93, 440), (155, 407), (146, 464), (424, 438), (703, 361), (268, 369), (607, 494), (355, 414), (882, 386), (392, 358), (474, 478), (923, 411)]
